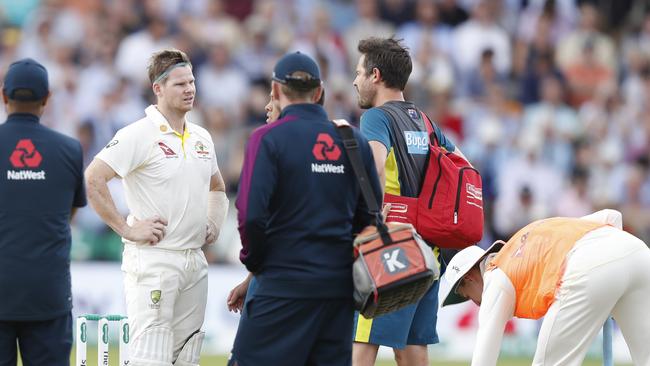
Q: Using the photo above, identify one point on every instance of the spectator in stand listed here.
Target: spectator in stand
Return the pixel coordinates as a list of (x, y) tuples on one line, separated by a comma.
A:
[(426, 28), (451, 13), (481, 78), (527, 187), (557, 15), (396, 12), (233, 84), (635, 201), (574, 200), (367, 24), (213, 21), (557, 123), (257, 54), (444, 113), (496, 106), (585, 74), (571, 48), (324, 43), (538, 66), (473, 37), (133, 51)]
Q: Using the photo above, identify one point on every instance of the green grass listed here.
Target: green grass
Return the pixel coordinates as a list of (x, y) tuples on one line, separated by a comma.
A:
[(221, 361)]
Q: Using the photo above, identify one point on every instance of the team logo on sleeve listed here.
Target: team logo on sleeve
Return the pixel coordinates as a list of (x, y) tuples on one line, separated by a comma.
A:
[(112, 143), (26, 158), (326, 150)]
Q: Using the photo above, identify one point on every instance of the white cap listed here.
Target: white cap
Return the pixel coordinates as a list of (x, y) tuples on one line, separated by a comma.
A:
[(460, 264)]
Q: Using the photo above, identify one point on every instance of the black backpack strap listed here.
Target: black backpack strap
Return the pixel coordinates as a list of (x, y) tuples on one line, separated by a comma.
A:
[(354, 155)]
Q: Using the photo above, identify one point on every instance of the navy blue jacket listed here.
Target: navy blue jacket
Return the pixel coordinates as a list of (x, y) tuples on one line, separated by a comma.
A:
[(299, 204), (41, 179)]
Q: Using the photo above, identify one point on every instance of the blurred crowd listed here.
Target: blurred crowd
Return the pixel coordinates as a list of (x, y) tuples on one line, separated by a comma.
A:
[(550, 99)]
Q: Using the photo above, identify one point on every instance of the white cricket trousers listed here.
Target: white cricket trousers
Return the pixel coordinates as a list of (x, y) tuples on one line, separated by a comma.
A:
[(607, 272), (166, 295)]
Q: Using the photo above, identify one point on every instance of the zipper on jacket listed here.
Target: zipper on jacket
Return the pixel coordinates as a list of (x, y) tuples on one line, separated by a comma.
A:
[(435, 185), (461, 171)]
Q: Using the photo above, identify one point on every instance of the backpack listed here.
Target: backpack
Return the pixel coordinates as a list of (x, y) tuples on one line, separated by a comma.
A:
[(448, 211)]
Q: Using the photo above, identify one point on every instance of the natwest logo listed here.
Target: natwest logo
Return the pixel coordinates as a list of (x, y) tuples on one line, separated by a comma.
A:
[(325, 148), (25, 155)]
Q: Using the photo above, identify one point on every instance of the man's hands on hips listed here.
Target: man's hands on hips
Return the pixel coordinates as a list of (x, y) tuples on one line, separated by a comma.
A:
[(150, 231)]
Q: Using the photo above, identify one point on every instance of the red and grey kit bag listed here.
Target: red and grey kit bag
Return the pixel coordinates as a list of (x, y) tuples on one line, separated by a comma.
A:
[(393, 266)]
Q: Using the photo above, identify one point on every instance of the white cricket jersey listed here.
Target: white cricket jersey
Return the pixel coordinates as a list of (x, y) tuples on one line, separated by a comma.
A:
[(165, 174)]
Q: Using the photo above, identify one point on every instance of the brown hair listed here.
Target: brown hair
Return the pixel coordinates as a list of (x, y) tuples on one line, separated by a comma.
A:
[(390, 57), (161, 61)]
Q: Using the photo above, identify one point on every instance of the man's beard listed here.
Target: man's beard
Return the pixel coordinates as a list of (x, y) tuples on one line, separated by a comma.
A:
[(365, 101)]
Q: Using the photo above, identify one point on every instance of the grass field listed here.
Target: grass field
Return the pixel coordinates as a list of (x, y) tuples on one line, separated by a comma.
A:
[(221, 361)]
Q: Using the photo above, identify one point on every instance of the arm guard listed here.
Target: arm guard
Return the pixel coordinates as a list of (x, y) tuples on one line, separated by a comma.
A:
[(217, 210)]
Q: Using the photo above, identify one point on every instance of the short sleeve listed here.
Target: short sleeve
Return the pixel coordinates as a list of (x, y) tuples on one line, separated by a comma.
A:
[(375, 126), (125, 152), (214, 166), (443, 140)]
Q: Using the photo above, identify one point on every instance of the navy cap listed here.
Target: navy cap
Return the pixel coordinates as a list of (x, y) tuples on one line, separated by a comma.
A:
[(293, 62), (26, 80)]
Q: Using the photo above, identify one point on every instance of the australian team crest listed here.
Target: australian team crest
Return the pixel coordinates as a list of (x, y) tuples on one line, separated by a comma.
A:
[(155, 299), (201, 150)]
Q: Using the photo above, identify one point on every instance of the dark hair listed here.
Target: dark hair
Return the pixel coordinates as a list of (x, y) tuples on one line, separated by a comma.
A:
[(300, 85), (390, 57), (163, 60)]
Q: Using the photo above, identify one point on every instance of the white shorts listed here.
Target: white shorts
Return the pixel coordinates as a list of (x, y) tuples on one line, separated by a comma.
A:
[(165, 288)]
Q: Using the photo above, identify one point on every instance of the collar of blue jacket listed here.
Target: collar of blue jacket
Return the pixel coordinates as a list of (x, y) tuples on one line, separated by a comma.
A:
[(305, 109)]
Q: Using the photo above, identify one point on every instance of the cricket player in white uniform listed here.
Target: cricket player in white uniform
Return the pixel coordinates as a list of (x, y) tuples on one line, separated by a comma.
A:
[(573, 272), (177, 203)]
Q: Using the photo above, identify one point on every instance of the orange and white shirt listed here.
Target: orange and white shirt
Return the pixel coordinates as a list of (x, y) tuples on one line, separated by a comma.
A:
[(522, 278), (534, 260), (165, 173)]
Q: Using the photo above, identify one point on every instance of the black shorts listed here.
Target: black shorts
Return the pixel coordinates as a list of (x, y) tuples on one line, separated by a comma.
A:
[(43, 342), (294, 332)]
